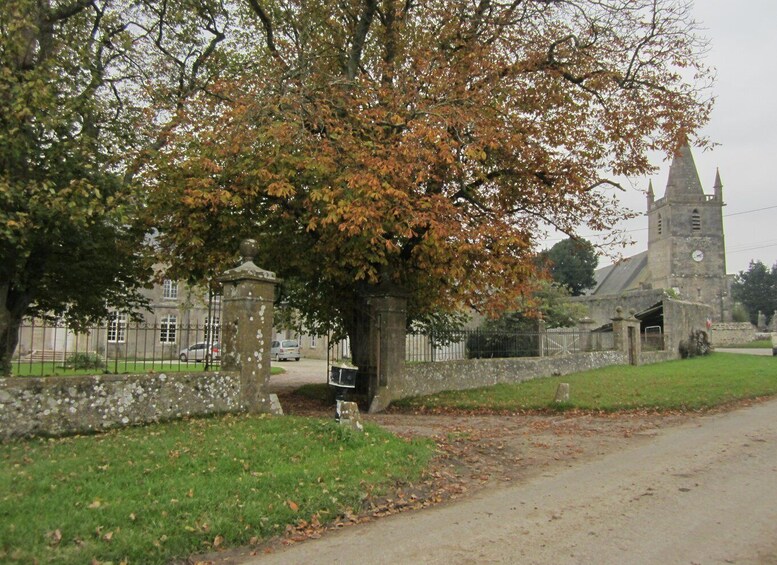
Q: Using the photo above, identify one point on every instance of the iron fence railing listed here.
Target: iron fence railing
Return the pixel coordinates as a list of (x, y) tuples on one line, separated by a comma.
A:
[(118, 345), (480, 344)]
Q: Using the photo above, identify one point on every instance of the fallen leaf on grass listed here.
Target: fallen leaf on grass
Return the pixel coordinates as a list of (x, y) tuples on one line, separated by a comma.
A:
[(55, 538), (293, 505)]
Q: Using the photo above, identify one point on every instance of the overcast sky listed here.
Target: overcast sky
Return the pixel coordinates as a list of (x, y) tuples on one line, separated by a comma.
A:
[(744, 124)]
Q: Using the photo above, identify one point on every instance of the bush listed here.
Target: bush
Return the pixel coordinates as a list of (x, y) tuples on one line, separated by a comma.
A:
[(697, 344), (739, 313), (84, 361)]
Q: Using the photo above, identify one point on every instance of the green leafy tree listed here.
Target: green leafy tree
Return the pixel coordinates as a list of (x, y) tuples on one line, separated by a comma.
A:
[(87, 90), (571, 263), (514, 334), (756, 289)]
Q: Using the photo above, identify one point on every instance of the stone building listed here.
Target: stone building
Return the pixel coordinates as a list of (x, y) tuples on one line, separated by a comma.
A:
[(685, 258), (686, 245)]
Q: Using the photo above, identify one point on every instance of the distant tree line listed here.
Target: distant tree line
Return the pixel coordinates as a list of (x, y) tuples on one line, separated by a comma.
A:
[(756, 290)]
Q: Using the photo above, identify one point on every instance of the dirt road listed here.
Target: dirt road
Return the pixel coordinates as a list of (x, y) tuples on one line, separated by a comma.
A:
[(704, 491)]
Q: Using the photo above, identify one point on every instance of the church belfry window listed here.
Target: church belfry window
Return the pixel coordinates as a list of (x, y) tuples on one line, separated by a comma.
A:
[(659, 224), (695, 221)]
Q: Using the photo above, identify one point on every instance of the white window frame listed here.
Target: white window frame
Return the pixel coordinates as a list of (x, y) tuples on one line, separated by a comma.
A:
[(117, 328), (213, 327), (168, 329), (169, 289), (313, 342)]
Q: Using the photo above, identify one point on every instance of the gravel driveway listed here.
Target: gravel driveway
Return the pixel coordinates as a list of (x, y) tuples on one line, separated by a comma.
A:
[(628, 489)]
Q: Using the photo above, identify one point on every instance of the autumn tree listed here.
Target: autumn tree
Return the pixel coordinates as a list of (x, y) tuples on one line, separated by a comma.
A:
[(422, 145), (571, 263), (756, 289), (87, 90)]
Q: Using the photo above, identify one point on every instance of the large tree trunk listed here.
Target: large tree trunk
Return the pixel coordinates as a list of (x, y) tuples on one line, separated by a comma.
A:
[(357, 325), (10, 320)]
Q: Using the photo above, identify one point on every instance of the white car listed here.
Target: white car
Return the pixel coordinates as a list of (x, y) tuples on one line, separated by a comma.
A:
[(284, 350)]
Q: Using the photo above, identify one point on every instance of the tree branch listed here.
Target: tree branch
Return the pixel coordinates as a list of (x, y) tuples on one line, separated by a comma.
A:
[(68, 11), (268, 31), (360, 36)]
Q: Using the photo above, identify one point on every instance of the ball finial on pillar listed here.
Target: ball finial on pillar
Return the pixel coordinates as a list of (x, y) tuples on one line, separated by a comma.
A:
[(248, 250)]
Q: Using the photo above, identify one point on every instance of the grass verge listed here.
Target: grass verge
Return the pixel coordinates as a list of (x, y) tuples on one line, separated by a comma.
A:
[(757, 344), (698, 383), (164, 492)]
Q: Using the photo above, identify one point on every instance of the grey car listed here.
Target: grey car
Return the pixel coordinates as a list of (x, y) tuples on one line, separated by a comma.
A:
[(285, 349), (199, 352)]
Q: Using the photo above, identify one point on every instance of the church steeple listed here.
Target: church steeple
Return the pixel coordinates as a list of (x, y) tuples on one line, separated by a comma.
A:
[(718, 186), (651, 196), (683, 178)]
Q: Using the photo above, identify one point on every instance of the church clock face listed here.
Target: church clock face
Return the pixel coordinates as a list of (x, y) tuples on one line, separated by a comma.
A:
[(697, 255)]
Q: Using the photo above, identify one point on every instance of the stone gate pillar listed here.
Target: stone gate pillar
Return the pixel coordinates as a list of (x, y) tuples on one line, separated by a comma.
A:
[(388, 328), (585, 326), (626, 335), (246, 328)]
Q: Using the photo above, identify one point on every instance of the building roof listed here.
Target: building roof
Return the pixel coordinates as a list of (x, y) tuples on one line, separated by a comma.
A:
[(618, 277)]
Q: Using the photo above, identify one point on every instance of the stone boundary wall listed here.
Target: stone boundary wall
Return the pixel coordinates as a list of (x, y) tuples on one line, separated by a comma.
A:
[(732, 333), (430, 378), (55, 406)]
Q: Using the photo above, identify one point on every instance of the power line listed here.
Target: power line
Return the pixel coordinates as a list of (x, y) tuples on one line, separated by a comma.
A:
[(728, 252), (645, 229), (749, 211)]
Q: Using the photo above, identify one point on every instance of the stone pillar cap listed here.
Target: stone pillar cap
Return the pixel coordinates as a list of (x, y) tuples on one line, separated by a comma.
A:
[(248, 270)]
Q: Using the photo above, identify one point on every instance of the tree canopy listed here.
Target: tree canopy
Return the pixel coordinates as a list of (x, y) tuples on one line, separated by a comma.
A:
[(756, 289), (572, 263), (87, 90), (422, 145)]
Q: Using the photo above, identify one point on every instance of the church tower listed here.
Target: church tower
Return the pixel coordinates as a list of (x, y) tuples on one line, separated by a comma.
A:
[(686, 246)]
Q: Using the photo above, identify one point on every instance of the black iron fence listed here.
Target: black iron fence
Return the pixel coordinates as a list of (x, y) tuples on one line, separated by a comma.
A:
[(118, 345), (479, 344)]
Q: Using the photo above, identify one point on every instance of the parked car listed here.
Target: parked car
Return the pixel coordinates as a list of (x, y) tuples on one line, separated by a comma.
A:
[(199, 352), (284, 350)]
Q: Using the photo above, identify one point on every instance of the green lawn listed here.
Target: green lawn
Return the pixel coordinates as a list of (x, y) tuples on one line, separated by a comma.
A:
[(158, 493), (50, 369), (757, 344), (702, 382)]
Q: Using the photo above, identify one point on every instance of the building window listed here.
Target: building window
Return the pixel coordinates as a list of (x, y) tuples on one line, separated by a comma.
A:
[(169, 289), (313, 342), (167, 329), (695, 221), (660, 226), (212, 329), (117, 328)]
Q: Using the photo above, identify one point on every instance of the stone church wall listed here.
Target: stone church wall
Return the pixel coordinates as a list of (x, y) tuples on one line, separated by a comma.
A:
[(681, 318), (732, 333), (601, 309)]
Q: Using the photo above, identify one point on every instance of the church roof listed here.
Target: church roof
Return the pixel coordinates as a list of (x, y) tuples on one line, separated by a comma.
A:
[(683, 177), (620, 276)]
